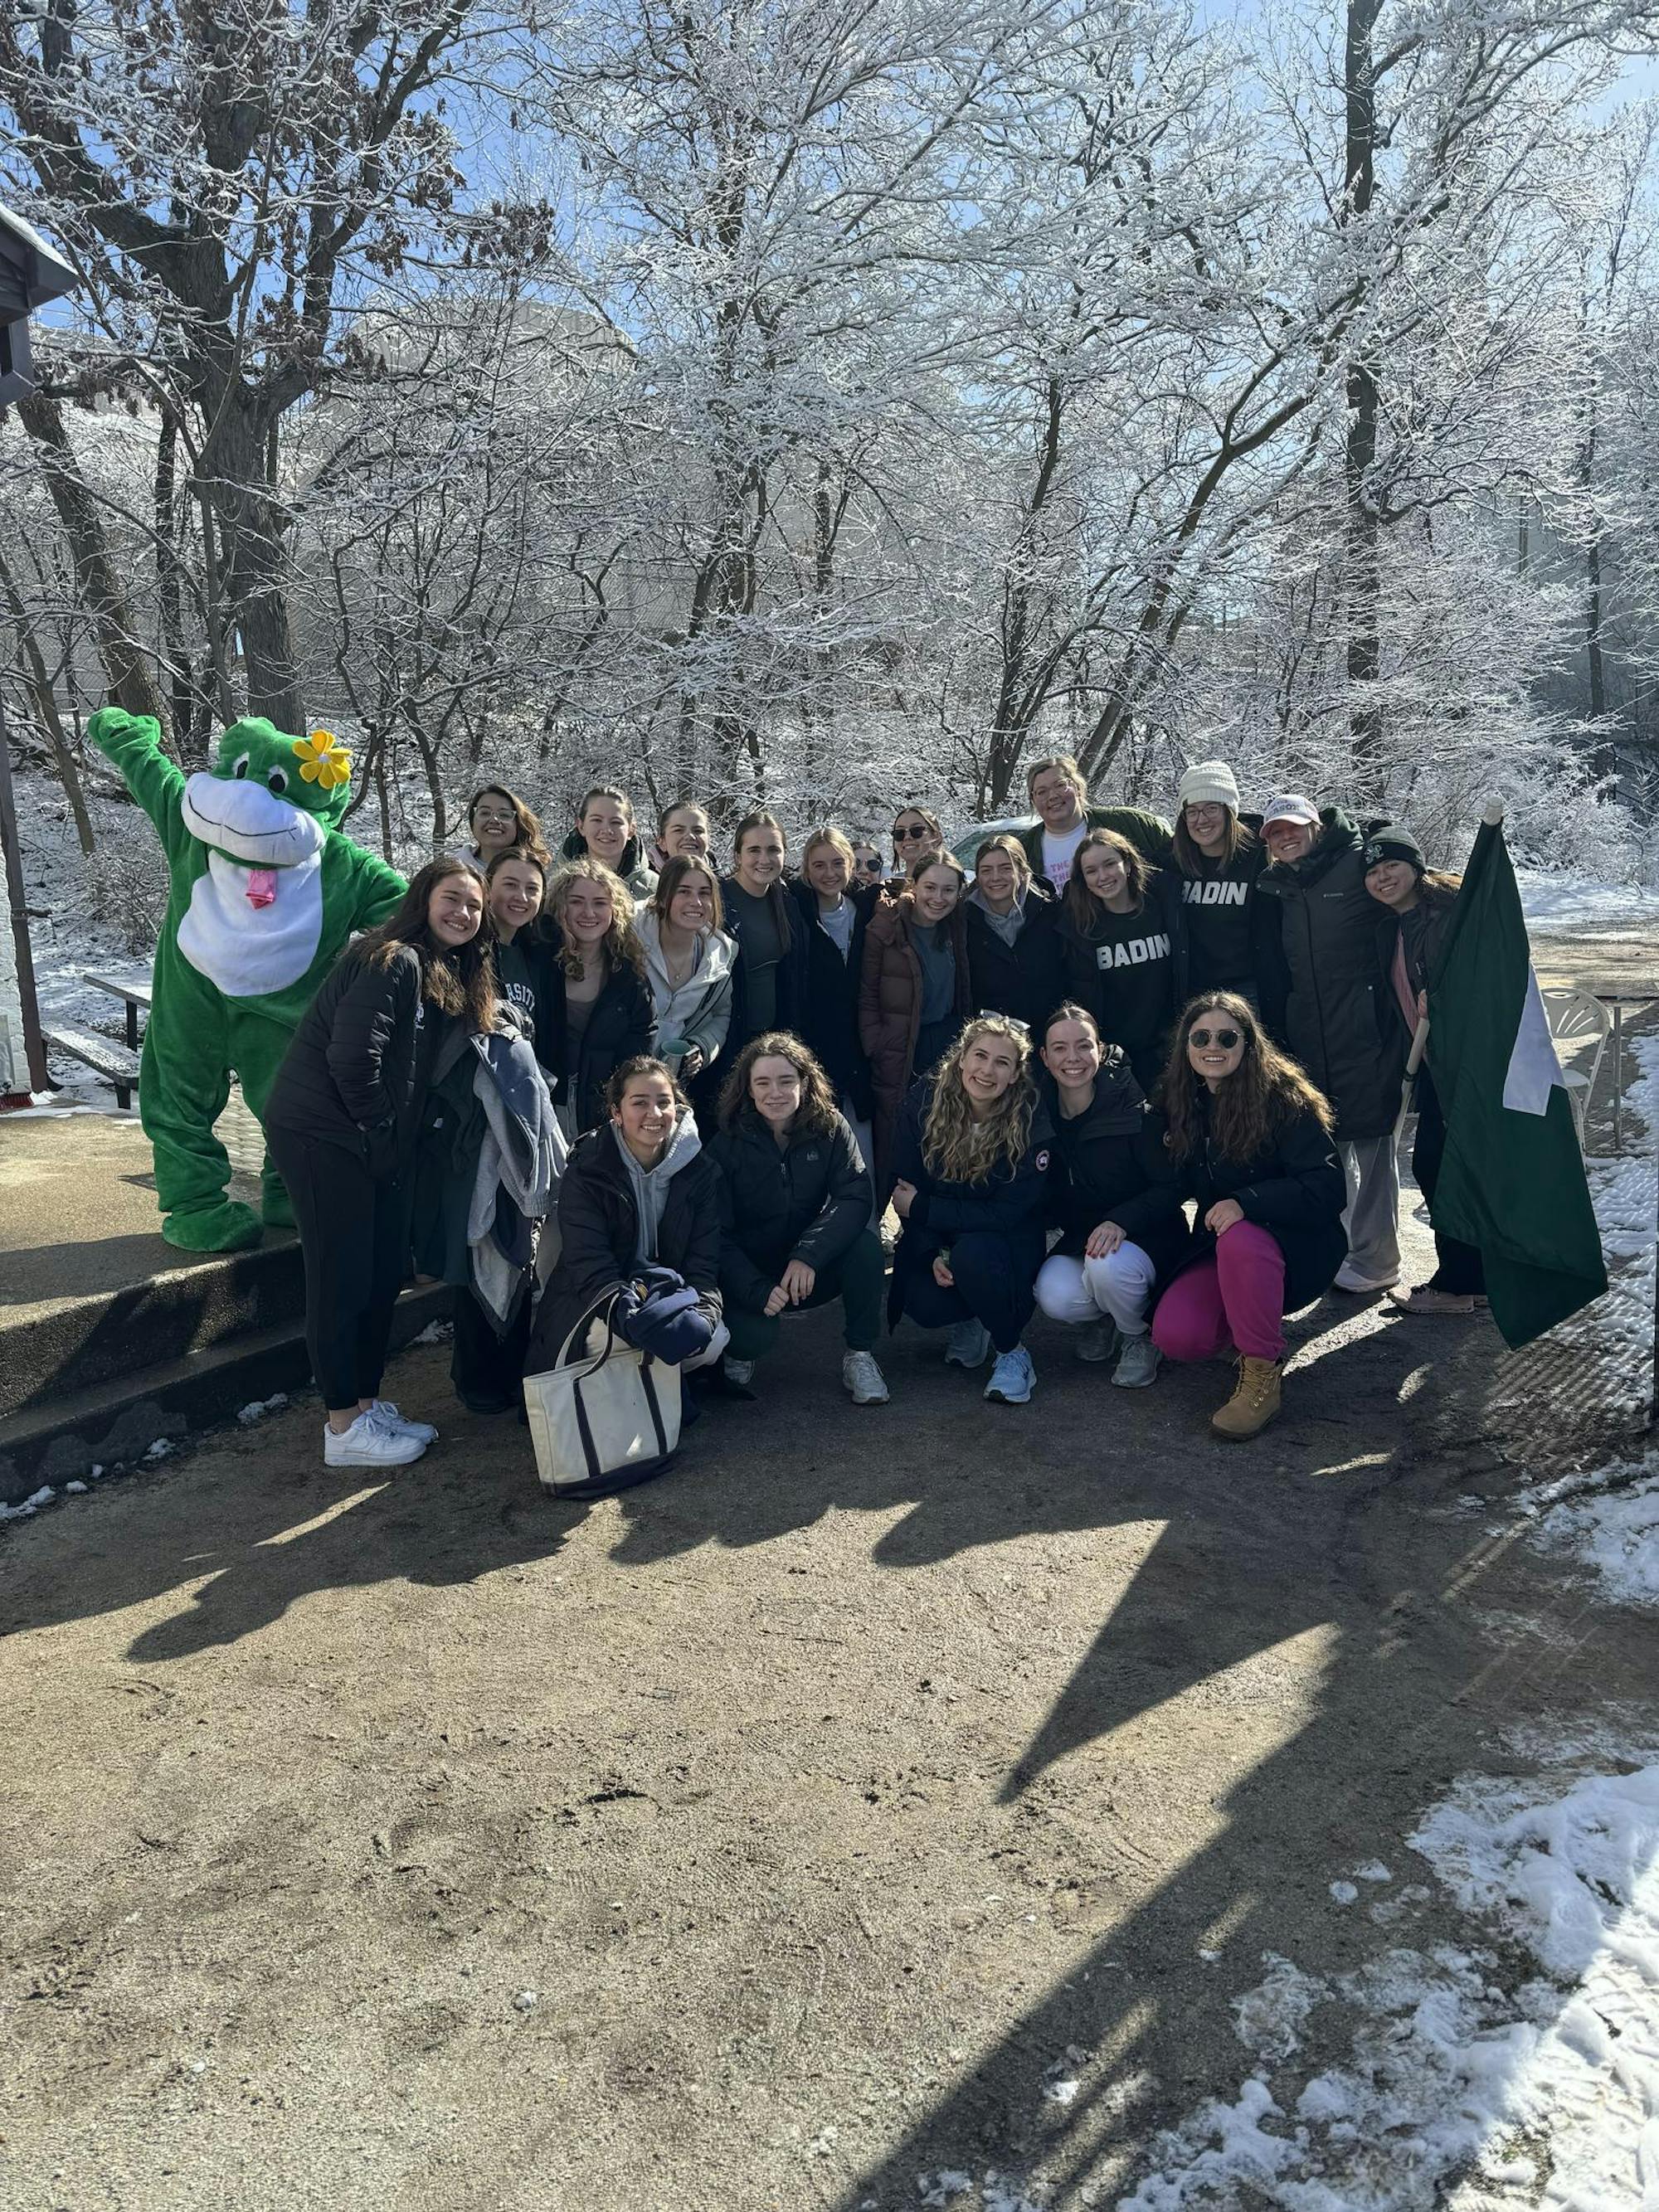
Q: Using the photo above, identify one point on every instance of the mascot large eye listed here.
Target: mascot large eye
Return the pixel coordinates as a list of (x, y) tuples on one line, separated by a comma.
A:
[(241, 767), (277, 781)]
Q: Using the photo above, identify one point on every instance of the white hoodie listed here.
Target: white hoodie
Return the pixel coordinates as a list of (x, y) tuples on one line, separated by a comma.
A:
[(699, 1011)]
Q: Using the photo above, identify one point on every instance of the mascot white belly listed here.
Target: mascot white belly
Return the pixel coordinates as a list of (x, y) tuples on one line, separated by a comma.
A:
[(255, 921), (248, 950)]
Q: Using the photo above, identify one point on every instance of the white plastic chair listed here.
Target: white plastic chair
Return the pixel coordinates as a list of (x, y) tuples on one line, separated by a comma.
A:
[(1577, 1022)]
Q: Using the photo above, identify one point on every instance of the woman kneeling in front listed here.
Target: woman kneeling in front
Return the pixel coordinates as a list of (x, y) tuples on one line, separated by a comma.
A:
[(639, 1219), (797, 1228), (972, 1149), (1251, 1140), (1115, 1198)]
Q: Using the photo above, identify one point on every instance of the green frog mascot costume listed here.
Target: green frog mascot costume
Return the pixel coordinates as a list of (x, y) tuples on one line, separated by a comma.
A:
[(266, 890)]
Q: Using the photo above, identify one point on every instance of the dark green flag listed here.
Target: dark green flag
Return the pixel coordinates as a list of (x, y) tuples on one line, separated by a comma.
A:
[(1512, 1180)]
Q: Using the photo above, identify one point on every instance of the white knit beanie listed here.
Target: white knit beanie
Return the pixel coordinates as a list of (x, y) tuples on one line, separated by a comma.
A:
[(1211, 781)]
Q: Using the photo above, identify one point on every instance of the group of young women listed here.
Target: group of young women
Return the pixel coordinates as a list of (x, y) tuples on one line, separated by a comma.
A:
[(1041, 1066)]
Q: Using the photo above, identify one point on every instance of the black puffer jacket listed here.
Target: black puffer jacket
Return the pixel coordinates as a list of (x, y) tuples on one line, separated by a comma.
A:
[(356, 1072), (598, 1228), (1111, 1164), (1337, 1018), (1025, 978), (806, 1200), (1295, 1189), (620, 1024), (828, 1013), (1011, 1203)]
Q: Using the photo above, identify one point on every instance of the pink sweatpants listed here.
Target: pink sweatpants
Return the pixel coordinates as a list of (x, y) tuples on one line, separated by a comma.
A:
[(1237, 1298)]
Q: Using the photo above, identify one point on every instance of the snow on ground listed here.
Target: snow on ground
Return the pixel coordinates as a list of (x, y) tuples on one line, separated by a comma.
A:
[(1609, 1522), (1558, 903), (1518, 2067)]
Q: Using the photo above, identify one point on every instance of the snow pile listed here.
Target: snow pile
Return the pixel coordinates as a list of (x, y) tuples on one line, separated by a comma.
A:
[(1455, 2083), (257, 1408), (1610, 1524), (1568, 902)]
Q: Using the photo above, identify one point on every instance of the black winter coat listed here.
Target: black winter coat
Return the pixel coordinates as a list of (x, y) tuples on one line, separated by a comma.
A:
[(807, 1199), (828, 1017), (1214, 957), (791, 976), (357, 1069), (1012, 1204), (1295, 1189), (620, 1024), (1339, 1019), (1110, 1163), (1025, 978), (599, 1229)]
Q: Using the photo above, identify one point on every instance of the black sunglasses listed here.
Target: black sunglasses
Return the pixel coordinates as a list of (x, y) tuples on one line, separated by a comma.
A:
[(871, 867), (919, 831), (1225, 1038)]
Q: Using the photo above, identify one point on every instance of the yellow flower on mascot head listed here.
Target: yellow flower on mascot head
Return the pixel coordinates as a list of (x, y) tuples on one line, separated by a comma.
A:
[(323, 759)]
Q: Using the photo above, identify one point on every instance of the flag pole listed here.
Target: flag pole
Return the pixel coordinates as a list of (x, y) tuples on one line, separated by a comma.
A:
[(1413, 1061)]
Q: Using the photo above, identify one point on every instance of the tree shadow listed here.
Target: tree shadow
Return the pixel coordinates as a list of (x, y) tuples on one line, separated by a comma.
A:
[(1394, 1558)]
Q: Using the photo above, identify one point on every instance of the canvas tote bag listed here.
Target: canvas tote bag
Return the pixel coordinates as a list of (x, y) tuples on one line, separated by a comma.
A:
[(611, 1420)]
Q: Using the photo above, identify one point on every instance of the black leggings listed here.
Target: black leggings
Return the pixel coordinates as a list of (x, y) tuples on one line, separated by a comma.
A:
[(354, 1232), (1460, 1271), (487, 1370)]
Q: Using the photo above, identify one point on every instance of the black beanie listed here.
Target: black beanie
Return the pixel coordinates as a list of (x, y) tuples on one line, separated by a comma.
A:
[(1391, 843)]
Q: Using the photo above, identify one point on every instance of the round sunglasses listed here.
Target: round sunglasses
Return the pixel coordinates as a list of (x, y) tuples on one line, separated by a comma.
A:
[(1225, 1038)]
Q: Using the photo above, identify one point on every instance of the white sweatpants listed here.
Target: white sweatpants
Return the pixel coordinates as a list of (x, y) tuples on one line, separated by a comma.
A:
[(1371, 1219), (1119, 1287)]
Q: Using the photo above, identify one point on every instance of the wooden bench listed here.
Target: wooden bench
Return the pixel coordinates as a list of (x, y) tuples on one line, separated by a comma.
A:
[(113, 1063)]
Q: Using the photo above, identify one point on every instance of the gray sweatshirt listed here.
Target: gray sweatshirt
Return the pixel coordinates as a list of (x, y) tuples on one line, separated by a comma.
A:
[(650, 1185)]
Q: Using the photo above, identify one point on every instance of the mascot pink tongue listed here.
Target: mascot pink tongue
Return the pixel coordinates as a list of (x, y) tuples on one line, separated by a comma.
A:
[(262, 886)]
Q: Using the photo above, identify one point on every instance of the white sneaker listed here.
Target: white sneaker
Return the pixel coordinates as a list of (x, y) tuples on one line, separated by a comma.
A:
[(969, 1345), (1348, 1278), (1013, 1378), (863, 1379), (740, 1371), (389, 1418), (369, 1443), (1096, 1339)]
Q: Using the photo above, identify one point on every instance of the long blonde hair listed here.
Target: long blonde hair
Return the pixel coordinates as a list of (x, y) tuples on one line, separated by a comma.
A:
[(620, 944), (956, 1147)]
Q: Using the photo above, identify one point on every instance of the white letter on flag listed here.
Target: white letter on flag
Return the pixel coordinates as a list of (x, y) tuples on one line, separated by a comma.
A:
[(1533, 1064)]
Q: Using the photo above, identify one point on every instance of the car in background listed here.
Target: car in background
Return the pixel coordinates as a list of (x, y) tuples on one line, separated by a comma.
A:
[(966, 843)]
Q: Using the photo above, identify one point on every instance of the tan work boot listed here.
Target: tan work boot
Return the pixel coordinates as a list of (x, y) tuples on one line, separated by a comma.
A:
[(1255, 1400)]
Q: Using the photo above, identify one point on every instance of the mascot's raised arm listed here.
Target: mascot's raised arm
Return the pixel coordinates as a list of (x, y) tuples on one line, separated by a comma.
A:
[(266, 891)]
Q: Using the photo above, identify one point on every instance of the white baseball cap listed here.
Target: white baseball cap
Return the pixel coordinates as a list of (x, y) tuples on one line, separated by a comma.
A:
[(1290, 806)]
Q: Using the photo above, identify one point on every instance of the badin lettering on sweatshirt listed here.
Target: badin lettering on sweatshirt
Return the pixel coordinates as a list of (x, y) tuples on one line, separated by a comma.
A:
[(1133, 952)]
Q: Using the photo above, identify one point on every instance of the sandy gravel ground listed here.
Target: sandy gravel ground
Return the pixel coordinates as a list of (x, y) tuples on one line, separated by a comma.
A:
[(772, 1837)]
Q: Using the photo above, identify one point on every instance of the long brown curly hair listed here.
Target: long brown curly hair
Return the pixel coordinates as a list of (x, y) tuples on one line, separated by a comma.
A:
[(620, 944), (816, 1115), (1250, 1108), (456, 979), (957, 1147)]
